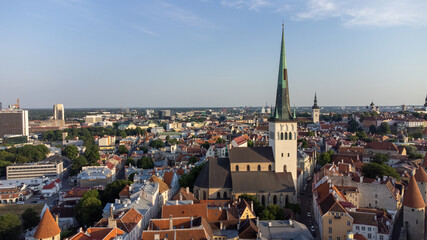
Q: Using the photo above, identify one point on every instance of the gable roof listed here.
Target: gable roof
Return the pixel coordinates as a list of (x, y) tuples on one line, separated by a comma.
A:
[(168, 177), (252, 182), (251, 155), (163, 187), (193, 210), (215, 174), (47, 227), (184, 194)]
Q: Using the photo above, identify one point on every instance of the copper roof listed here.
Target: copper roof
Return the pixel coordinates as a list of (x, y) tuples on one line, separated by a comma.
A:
[(47, 227), (412, 197), (420, 175)]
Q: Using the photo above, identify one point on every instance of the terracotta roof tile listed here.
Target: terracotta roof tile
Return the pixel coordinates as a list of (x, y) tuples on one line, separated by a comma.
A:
[(412, 197), (420, 175), (163, 187), (47, 227)]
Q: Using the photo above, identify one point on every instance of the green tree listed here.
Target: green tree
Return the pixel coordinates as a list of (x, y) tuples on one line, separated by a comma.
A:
[(122, 149), (276, 211), (221, 140), (258, 207), (361, 134), (325, 158), (206, 145), (267, 215), (130, 161), (411, 151), (157, 144), (92, 154), (188, 179), (89, 208), (353, 125), (380, 158), (373, 129), (113, 189), (144, 149), (77, 165), (193, 160), (70, 151), (375, 170), (304, 143), (30, 218), (295, 207), (145, 163), (250, 143), (384, 128), (10, 226)]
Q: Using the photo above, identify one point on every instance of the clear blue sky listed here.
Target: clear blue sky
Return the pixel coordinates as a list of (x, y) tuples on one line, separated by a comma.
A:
[(186, 53)]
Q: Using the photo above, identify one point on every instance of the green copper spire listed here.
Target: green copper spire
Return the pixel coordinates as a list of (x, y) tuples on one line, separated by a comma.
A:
[(282, 111)]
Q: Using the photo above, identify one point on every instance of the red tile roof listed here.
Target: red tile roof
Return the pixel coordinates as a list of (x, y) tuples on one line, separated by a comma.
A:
[(412, 197), (47, 227)]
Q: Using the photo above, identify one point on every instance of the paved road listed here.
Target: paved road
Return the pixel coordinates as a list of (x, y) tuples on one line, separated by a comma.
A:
[(305, 199)]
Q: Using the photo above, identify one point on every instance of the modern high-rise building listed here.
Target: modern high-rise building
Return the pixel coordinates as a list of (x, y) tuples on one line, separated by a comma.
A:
[(164, 114), (14, 122), (58, 112)]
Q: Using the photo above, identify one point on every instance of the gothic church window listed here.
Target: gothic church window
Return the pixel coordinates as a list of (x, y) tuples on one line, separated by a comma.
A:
[(259, 168), (237, 168), (248, 168)]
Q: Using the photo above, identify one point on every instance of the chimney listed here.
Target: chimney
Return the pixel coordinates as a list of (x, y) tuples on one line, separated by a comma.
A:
[(252, 206), (257, 221), (191, 222), (269, 224), (170, 222), (180, 196), (221, 225), (187, 189), (57, 219), (361, 179), (176, 201)]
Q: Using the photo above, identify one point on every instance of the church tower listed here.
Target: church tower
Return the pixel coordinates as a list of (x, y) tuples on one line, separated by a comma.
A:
[(282, 125), (413, 211), (316, 110)]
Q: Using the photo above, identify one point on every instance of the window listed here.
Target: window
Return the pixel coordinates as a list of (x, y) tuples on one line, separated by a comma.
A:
[(281, 136), (289, 154), (274, 199), (376, 195), (237, 168), (363, 228), (329, 238), (369, 235), (357, 228), (290, 136), (259, 168), (330, 230), (225, 195), (369, 228), (218, 195), (269, 167), (330, 221), (338, 238), (381, 237), (282, 154), (248, 168), (348, 223), (284, 168)]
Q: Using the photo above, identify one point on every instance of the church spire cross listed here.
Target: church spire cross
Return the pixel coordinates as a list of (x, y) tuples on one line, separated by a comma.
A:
[(282, 111)]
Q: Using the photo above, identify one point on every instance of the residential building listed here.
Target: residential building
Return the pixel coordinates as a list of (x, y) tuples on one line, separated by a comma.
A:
[(95, 176)]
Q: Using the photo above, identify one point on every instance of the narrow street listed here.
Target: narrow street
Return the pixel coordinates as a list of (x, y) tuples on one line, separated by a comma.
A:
[(305, 200)]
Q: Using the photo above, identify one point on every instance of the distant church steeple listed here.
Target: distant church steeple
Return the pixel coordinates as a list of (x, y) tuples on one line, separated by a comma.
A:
[(315, 110), (282, 111)]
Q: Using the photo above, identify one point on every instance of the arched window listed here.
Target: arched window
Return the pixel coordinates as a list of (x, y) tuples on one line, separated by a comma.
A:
[(225, 196), (281, 136), (237, 168), (248, 168), (290, 136), (274, 199), (269, 167), (218, 195), (259, 168), (284, 168), (286, 136), (286, 200), (263, 200), (204, 195)]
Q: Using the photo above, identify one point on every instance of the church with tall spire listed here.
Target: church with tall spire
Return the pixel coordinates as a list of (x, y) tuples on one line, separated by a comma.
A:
[(268, 173), (315, 110)]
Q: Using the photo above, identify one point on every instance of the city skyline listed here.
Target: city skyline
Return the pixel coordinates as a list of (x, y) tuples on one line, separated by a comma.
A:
[(163, 54)]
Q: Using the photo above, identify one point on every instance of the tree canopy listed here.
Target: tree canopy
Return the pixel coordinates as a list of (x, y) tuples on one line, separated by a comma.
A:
[(122, 150), (10, 226), (157, 144), (145, 163), (375, 170), (112, 190), (89, 208), (188, 179), (30, 218), (70, 151), (325, 158)]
